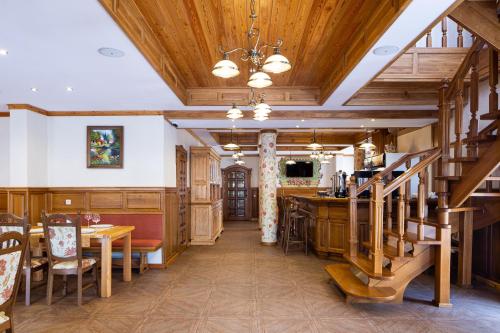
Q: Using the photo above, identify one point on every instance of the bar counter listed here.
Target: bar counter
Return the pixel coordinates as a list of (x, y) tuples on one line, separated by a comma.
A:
[(328, 220)]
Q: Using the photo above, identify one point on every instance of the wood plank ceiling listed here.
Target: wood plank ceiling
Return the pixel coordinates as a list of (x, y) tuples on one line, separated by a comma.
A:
[(323, 39)]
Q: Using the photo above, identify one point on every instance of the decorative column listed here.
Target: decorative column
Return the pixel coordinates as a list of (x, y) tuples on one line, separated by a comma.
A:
[(268, 172)]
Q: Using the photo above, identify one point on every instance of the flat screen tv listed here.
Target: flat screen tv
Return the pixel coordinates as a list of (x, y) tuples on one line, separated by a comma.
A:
[(299, 169)]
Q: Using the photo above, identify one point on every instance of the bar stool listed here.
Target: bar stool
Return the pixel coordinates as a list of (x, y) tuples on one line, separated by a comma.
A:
[(282, 221), (295, 228)]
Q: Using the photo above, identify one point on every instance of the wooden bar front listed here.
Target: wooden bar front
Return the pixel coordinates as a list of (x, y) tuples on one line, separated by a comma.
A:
[(328, 220)]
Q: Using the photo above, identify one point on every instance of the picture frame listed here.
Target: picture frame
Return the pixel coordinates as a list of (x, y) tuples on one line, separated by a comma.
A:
[(105, 147)]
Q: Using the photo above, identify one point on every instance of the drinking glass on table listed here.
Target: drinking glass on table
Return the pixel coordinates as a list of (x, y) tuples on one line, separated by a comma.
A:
[(96, 218)]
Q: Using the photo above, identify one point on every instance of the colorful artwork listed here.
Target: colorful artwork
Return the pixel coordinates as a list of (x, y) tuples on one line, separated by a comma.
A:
[(105, 147)]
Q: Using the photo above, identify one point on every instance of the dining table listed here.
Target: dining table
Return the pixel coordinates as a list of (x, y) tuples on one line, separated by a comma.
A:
[(105, 236)]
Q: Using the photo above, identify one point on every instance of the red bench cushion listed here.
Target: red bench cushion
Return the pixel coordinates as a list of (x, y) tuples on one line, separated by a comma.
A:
[(147, 226)]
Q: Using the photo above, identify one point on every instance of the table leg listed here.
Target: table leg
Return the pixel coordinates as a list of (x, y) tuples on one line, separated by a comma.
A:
[(106, 267), (127, 257)]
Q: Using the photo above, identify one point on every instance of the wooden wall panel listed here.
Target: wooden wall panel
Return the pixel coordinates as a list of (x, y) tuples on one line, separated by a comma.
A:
[(144, 200), (18, 202), (171, 245), (3, 202), (255, 202), (58, 202), (37, 205), (106, 200)]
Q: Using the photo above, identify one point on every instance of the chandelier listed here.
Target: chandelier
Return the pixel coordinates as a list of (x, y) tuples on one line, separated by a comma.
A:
[(260, 66), (290, 161), (367, 144), (314, 145), (231, 145), (321, 156)]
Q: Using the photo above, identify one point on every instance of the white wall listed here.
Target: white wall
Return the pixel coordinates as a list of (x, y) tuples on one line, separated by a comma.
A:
[(37, 150), (143, 152), (185, 139), (251, 162), (4, 151)]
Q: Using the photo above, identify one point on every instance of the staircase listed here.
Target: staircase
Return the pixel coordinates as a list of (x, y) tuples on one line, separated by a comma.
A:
[(379, 270)]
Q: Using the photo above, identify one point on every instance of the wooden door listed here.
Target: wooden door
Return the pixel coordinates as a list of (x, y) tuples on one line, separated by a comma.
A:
[(181, 174), (236, 193)]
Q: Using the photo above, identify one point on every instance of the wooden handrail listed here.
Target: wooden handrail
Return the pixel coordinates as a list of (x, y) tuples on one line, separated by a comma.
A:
[(391, 168), (464, 67), (412, 171)]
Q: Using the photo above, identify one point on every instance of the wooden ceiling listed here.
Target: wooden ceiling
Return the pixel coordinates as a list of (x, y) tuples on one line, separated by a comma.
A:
[(323, 39), (301, 139)]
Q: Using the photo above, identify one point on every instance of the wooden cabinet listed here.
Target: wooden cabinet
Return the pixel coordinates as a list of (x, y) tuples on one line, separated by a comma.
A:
[(206, 202)]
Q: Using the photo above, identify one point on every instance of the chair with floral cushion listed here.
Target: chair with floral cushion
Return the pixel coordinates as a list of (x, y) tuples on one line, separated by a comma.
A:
[(63, 239), (10, 222), (12, 251)]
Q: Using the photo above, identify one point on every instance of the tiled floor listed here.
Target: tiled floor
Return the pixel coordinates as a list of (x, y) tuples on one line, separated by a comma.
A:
[(240, 286)]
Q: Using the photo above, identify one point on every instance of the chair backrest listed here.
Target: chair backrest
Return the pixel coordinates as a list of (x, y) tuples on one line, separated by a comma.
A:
[(11, 222), (63, 238), (12, 251)]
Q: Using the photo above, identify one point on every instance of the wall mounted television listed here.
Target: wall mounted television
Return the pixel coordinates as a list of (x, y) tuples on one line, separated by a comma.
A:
[(303, 169)]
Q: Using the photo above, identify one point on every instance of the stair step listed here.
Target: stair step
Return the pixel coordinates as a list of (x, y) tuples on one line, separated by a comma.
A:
[(430, 222), (365, 265), (345, 279), (390, 252), (449, 178), (412, 238), (490, 116), (485, 194), (463, 159), (391, 233), (460, 209)]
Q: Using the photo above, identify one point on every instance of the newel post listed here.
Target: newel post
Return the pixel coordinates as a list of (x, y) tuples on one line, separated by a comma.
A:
[(377, 214), (353, 218)]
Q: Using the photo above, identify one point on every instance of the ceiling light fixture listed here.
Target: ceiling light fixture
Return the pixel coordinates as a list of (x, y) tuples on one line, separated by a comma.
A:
[(3, 52), (111, 52), (34, 89), (385, 50), (234, 113), (290, 161), (314, 145), (69, 89), (367, 144), (231, 145)]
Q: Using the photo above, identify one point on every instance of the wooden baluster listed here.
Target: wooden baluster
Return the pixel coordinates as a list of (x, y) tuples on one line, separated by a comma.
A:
[(489, 186), (377, 212), (389, 206), (428, 39), (443, 231), (370, 217), (421, 205), (493, 80), (474, 106), (353, 218), (460, 36), (444, 29), (401, 221), (459, 109), (408, 192)]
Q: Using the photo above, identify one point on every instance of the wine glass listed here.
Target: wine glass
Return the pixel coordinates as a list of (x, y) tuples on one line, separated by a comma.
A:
[(96, 218), (88, 217)]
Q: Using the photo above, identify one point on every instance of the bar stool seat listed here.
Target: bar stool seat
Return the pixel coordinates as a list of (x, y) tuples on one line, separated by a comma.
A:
[(295, 229)]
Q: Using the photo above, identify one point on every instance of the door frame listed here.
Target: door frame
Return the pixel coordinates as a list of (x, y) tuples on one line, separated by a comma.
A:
[(248, 204)]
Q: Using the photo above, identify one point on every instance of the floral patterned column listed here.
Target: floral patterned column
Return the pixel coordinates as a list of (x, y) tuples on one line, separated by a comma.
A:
[(268, 169)]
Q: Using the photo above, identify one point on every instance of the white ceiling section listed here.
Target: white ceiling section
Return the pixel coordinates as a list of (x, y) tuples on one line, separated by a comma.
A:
[(53, 44)]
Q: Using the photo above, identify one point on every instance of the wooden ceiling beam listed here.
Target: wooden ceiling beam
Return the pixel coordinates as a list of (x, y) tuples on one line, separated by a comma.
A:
[(288, 138), (297, 115)]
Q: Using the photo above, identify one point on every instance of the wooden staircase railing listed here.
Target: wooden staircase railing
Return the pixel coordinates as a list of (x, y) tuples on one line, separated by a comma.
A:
[(381, 195)]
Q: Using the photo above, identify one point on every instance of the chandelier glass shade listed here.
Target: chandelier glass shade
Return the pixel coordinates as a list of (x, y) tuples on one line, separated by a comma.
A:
[(277, 63), (231, 145), (314, 145), (367, 144), (225, 69), (234, 113), (239, 162), (259, 80)]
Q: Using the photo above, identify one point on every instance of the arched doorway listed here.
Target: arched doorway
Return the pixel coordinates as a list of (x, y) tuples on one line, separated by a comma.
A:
[(236, 193)]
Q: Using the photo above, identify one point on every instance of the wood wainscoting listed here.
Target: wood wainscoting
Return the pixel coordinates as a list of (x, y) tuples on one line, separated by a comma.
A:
[(102, 200)]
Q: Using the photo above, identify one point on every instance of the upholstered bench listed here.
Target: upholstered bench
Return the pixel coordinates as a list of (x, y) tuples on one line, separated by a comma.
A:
[(146, 238)]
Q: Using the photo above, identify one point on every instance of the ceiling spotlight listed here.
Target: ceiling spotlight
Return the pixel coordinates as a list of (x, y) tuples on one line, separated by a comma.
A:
[(3, 52), (297, 126), (361, 126), (385, 50), (34, 89), (69, 89), (111, 52), (373, 119), (302, 120)]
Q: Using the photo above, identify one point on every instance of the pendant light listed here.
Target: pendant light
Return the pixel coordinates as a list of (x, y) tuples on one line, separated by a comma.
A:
[(259, 80), (277, 63), (368, 143), (234, 113), (290, 161), (225, 68), (231, 145), (314, 145)]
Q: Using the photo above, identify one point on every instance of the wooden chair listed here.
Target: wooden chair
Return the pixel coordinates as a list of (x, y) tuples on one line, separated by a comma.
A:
[(295, 228), (63, 239), (10, 222), (12, 251)]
